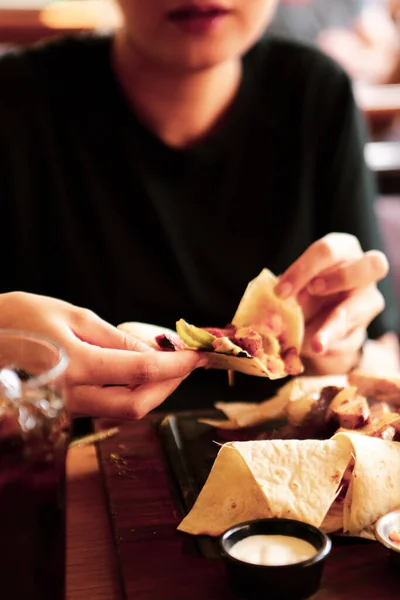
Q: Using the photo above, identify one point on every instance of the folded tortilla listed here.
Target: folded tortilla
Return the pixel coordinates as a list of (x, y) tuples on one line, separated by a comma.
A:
[(264, 338), (299, 479), (280, 354), (259, 298), (374, 487), (264, 479)]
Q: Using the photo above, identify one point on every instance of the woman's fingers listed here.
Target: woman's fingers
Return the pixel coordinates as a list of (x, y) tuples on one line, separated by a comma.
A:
[(90, 328), (102, 366), (330, 250), (118, 402), (316, 305), (146, 332), (372, 267), (137, 378), (349, 345), (357, 311)]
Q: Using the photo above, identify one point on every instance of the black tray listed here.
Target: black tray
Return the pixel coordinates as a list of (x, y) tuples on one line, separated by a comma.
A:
[(191, 448)]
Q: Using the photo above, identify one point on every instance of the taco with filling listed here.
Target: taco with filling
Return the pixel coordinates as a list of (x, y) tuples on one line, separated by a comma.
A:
[(263, 339)]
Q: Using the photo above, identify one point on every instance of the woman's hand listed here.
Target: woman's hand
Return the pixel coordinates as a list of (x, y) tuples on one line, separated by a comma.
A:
[(335, 282), (110, 373)]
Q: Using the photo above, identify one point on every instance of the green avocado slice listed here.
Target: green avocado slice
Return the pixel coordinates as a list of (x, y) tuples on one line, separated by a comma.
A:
[(193, 336)]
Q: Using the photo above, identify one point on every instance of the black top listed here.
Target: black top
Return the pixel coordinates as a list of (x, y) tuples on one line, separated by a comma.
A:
[(98, 211)]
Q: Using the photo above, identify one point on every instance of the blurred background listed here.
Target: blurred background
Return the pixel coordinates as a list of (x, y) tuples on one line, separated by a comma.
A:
[(28, 21)]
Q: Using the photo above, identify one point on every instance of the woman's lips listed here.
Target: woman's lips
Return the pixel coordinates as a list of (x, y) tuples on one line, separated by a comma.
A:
[(198, 19)]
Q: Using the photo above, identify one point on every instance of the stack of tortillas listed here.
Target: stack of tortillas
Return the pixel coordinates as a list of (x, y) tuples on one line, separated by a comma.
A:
[(303, 480)]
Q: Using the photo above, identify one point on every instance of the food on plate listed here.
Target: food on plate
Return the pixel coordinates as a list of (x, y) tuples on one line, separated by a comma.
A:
[(337, 409), (380, 386), (379, 409), (263, 339), (311, 410), (245, 414), (374, 488), (313, 407), (342, 485), (348, 409), (386, 426)]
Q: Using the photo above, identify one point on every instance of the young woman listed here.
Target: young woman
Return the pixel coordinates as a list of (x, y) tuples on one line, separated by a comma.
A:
[(150, 175)]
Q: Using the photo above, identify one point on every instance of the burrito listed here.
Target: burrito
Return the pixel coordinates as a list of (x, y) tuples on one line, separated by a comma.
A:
[(341, 485), (263, 339)]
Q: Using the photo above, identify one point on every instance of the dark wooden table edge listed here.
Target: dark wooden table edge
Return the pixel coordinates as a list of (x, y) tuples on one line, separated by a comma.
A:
[(111, 524)]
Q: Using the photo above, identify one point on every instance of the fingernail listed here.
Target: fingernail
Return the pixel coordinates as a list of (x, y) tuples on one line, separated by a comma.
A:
[(284, 290), (320, 343), (317, 286)]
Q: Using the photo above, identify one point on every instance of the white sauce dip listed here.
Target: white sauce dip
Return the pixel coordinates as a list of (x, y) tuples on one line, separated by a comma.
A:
[(272, 550)]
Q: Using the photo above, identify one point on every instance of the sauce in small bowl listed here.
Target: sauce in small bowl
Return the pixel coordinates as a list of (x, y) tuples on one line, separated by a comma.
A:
[(279, 559), (387, 532)]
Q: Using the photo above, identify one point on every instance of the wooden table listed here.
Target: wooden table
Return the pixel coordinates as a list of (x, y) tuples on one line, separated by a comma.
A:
[(91, 559), (148, 559)]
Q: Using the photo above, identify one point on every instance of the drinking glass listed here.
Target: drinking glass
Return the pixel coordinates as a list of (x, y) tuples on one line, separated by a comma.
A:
[(34, 437)]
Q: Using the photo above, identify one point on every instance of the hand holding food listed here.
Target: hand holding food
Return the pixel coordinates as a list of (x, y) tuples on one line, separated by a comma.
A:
[(264, 337), (335, 283), (110, 373), (319, 309)]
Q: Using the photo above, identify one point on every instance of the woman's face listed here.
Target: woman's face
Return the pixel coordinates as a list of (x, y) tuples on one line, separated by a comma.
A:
[(187, 35)]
